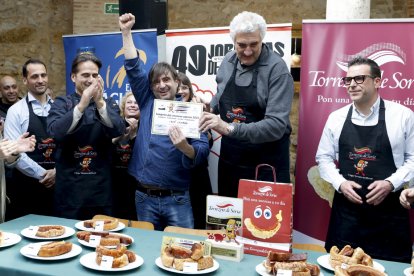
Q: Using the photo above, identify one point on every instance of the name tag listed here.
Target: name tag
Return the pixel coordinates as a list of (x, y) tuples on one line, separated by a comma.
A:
[(284, 272), (33, 229), (99, 225), (190, 267), (95, 240), (107, 261), (33, 249)]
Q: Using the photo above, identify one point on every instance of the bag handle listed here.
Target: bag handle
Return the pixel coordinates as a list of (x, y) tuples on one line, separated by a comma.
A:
[(273, 170)]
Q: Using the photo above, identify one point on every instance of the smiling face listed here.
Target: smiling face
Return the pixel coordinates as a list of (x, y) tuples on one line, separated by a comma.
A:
[(9, 90), (165, 87), (37, 79), (86, 72), (248, 47), (366, 93), (184, 92), (131, 109)]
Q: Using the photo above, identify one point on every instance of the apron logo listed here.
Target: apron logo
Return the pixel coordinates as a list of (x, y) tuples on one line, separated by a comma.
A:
[(85, 164), (125, 157), (360, 166), (47, 146), (87, 154), (364, 153), (236, 115), (48, 155), (361, 157), (124, 154)]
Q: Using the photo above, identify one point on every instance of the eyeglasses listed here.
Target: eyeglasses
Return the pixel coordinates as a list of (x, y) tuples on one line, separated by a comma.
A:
[(358, 79)]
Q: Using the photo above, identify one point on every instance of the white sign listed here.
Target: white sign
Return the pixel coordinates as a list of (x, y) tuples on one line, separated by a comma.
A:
[(221, 209), (176, 113)]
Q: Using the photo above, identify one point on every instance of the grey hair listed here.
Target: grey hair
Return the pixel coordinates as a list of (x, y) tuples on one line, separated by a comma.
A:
[(247, 22)]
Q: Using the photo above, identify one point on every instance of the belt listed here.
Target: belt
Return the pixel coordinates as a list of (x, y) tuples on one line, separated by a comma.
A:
[(159, 192)]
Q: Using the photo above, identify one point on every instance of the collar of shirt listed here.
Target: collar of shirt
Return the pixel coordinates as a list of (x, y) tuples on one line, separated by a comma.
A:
[(374, 111), (38, 108), (31, 98)]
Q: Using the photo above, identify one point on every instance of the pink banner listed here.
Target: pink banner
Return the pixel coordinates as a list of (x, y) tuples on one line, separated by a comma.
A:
[(326, 48)]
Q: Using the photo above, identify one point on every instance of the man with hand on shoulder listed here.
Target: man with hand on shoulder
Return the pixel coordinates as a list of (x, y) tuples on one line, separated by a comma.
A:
[(372, 141), (160, 164), (253, 101)]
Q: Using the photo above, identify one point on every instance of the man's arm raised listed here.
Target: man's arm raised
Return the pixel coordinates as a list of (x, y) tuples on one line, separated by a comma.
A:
[(126, 21)]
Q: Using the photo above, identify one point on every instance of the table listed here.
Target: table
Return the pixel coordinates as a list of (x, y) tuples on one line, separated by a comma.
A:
[(147, 245)]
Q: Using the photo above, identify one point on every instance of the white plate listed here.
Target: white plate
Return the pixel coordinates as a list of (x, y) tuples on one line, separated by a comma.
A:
[(215, 266), (10, 239), (76, 250), (262, 270), (89, 261), (324, 262), (407, 271), (32, 235), (85, 243), (80, 226)]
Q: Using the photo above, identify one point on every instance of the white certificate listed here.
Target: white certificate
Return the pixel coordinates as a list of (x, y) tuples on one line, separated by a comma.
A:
[(176, 113)]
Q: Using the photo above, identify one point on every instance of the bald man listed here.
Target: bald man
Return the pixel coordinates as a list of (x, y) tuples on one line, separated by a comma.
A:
[(9, 94)]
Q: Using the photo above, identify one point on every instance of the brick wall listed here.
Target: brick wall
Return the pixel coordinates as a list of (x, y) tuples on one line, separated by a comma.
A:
[(89, 17)]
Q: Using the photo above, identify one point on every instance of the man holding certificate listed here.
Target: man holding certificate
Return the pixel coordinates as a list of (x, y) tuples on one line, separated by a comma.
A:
[(161, 163)]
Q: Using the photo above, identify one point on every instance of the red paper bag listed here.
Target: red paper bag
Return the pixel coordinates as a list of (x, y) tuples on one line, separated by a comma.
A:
[(267, 215)]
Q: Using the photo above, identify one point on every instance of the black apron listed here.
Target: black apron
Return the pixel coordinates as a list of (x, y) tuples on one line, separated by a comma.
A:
[(83, 169), (239, 158), (28, 196), (123, 184), (382, 231)]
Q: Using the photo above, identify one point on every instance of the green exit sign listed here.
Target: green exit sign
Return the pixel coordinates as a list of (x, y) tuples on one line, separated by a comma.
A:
[(111, 8)]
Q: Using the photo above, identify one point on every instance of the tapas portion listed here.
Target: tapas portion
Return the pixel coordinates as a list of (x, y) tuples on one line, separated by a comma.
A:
[(346, 257), (175, 256), (107, 259), (186, 256), (56, 250), (47, 232), (107, 239), (349, 256), (357, 269), (296, 263), (100, 225)]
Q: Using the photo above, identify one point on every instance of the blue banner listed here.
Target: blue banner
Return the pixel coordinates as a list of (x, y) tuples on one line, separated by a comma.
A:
[(108, 48)]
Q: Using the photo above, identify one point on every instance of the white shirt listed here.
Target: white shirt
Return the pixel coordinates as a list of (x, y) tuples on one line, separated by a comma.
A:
[(17, 123), (399, 122)]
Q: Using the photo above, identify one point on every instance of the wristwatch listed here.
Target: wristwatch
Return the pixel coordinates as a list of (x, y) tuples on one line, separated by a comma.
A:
[(230, 129)]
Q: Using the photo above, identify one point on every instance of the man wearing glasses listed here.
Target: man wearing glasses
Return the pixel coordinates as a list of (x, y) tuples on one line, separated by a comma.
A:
[(372, 143)]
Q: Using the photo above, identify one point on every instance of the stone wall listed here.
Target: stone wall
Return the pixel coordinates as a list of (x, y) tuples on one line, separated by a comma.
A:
[(34, 29), (31, 28)]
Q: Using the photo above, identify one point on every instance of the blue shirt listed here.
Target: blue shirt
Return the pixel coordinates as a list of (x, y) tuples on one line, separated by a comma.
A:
[(17, 123), (155, 161)]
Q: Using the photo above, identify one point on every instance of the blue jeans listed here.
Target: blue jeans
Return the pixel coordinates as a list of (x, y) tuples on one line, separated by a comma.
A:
[(164, 211)]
